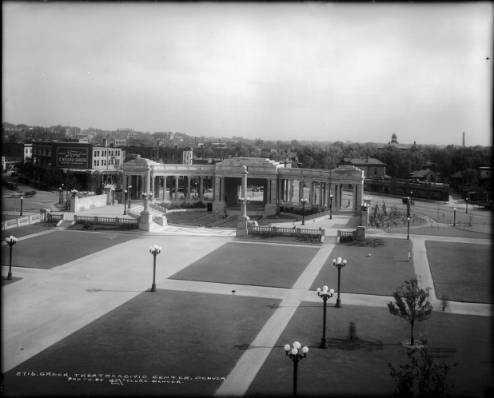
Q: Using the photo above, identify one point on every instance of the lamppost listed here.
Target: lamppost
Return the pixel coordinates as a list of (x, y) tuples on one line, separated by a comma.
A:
[(325, 294), (125, 202), (304, 201), (11, 241), (154, 250), (296, 353), (408, 228), (60, 195), (22, 203), (129, 188), (466, 203), (339, 263), (454, 216), (411, 197), (330, 207)]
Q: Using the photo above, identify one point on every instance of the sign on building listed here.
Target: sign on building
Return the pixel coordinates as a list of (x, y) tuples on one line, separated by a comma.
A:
[(72, 157)]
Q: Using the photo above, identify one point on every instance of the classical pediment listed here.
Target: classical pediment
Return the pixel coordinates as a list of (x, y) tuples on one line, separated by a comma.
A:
[(139, 164)]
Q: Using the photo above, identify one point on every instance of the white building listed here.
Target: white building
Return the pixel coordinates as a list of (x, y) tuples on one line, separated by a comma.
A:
[(28, 152), (187, 157), (107, 158)]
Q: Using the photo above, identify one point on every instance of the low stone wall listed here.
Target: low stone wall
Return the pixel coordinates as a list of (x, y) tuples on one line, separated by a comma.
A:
[(88, 202), (309, 234), (96, 220), (20, 221)]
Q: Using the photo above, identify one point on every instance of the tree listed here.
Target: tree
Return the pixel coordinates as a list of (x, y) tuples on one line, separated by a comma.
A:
[(421, 376), (411, 303)]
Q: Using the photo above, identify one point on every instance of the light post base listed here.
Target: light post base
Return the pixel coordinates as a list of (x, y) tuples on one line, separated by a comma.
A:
[(153, 288), (9, 276), (324, 343), (338, 303)]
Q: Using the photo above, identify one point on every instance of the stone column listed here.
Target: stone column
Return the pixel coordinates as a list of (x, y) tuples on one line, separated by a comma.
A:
[(145, 218), (176, 187), (188, 187), (148, 180), (320, 195), (311, 192), (164, 188), (201, 187), (336, 200), (359, 195)]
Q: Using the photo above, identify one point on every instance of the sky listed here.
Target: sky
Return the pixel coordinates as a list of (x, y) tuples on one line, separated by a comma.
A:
[(305, 71)]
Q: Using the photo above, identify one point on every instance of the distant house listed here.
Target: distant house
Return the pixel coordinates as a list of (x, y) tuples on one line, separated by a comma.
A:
[(424, 175), (373, 168)]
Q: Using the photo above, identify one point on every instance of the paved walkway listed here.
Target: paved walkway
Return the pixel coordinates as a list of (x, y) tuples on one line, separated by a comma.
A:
[(48, 305)]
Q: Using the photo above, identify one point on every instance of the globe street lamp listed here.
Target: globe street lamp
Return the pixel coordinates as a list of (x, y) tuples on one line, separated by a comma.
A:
[(11, 241), (339, 263), (408, 228), (22, 204), (154, 250), (454, 216), (296, 353), (324, 293), (466, 205), (304, 201), (60, 195)]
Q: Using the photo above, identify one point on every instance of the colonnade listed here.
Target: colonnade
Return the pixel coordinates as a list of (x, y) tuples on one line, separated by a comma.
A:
[(166, 187), (318, 193), (319, 188)]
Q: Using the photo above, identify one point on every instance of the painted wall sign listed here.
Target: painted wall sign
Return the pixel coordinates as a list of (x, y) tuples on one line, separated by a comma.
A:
[(74, 157)]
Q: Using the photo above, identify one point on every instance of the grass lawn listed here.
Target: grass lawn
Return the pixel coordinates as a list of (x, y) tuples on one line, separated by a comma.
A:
[(168, 335), (251, 264), (443, 231), (60, 247), (461, 271), (346, 369), (380, 273), (27, 230)]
